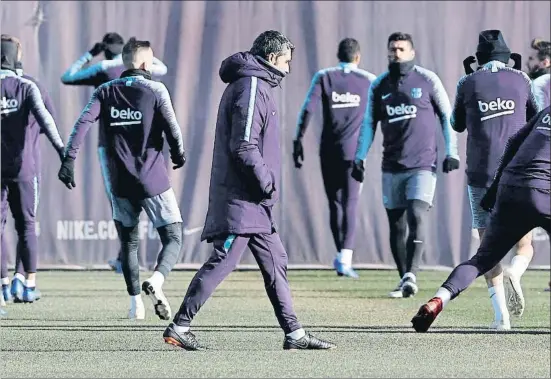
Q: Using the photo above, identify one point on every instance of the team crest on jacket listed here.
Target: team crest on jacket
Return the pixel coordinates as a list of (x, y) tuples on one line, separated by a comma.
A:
[(416, 93)]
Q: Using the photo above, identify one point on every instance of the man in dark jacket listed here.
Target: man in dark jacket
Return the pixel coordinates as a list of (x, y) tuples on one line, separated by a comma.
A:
[(243, 189)]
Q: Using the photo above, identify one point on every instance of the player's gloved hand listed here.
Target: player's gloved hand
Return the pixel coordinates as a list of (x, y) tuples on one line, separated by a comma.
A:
[(517, 58), (298, 153), (97, 49), (358, 170), (489, 199), (67, 172), (467, 62), (179, 161), (450, 164)]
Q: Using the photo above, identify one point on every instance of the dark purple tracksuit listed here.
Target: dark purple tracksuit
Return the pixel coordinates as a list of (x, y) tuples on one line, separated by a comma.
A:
[(342, 91), (32, 125), (21, 98), (243, 189), (523, 200), (492, 104)]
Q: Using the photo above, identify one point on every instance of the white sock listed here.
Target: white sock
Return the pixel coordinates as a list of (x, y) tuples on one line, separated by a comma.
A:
[(157, 279), (20, 277), (519, 264), (297, 334), (136, 301), (497, 295), (30, 283), (5, 281), (444, 295), (180, 329), (411, 276), (346, 257)]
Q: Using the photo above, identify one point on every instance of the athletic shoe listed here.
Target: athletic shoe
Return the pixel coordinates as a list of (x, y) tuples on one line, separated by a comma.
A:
[(16, 290), (6, 295), (308, 342), (409, 287), (500, 325), (115, 265), (186, 341), (513, 290), (160, 302), (30, 294), (426, 315), (344, 270)]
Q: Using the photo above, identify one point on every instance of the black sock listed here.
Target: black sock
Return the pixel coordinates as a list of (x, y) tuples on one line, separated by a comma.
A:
[(398, 229), (130, 240), (417, 221), (171, 238)]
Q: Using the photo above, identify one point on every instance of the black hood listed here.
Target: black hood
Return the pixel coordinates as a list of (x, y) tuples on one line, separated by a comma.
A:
[(242, 65)]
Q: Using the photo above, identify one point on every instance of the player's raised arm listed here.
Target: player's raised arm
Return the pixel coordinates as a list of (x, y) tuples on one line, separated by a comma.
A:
[(158, 68)]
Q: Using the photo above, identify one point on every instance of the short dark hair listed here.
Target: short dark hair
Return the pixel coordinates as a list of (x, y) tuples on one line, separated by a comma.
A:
[(542, 47), (271, 42), (349, 48), (132, 47), (113, 39), (399, 36)]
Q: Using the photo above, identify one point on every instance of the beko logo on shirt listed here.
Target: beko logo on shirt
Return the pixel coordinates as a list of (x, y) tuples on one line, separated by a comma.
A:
[(9, 105), (134, 117), (502, 106), (346, 100), (403, 111)]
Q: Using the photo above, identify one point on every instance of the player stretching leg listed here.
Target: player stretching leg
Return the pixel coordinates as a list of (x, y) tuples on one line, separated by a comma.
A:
[(99, 73), (342, 91), (134, 112), (405, 100), (243, 190), (21, 99), (521, 197), (492, 104)]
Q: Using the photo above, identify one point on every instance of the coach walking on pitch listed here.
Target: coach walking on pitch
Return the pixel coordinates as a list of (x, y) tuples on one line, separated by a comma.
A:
[(243, 190)]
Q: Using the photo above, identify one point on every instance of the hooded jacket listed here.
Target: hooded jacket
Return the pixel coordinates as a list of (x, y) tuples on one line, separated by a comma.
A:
[(246, 158)]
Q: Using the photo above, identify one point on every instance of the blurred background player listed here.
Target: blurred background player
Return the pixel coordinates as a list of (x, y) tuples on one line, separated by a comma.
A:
[(134, 112), (539, 67), (521, 195), (492, 104), (342, 91), (243, 190), (405, 100), (18, 281), (102, 72), (21, 97)]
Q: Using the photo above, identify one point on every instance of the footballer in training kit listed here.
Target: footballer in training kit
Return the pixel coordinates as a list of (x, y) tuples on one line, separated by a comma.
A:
[(134, 112), (102, 72), (520, 200), (22, 103), (492, 104), (342, 92), (406, 100), (244, 187)]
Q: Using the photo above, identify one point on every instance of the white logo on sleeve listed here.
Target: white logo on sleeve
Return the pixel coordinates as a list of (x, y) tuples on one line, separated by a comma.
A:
[(9, 105), (401, 112), (501, 107), (547, 121), (127, 117), (346, 100)]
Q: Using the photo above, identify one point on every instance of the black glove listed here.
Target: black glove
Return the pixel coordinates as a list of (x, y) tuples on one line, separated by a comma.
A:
[(450, 164), (178, 161), (358, 171), (298, 153), (518, 61), (67, 172), (488, 201), (467, 62), (97, 49)]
